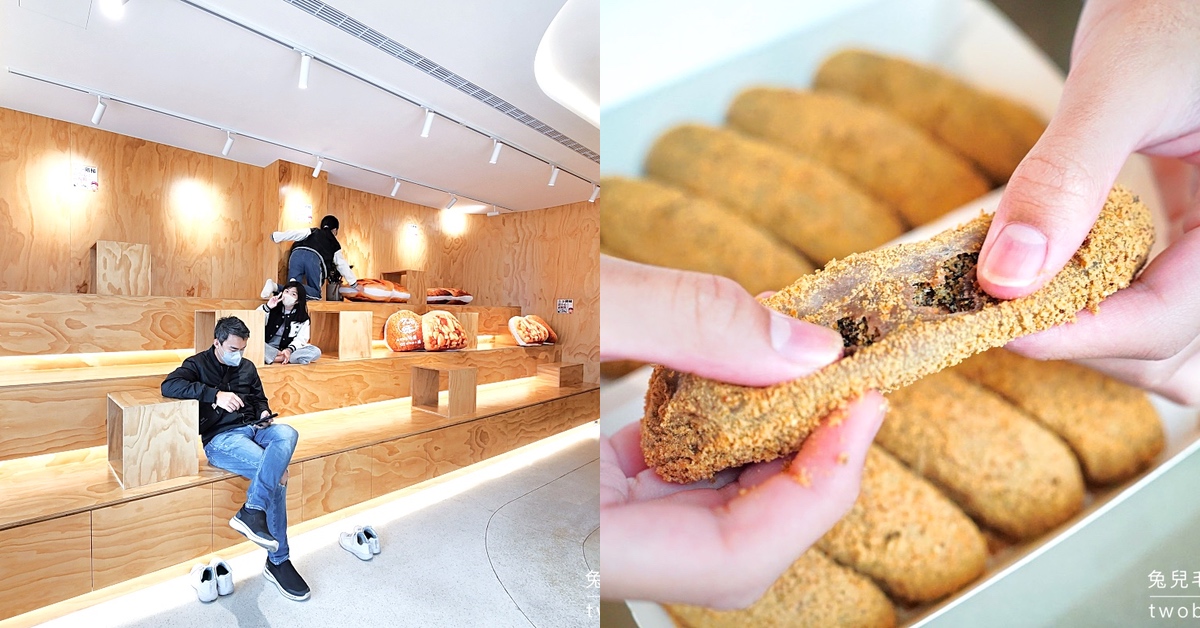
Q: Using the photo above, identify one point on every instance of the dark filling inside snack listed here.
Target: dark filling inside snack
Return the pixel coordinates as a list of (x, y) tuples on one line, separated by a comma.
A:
[(856, 333), (956, 290)]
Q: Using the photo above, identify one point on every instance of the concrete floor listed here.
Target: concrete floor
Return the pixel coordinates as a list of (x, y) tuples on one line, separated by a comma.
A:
[(512, 550)]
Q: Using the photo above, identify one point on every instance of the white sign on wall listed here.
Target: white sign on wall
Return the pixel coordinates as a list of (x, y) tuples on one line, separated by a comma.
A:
[(87, 177), (566, 306)]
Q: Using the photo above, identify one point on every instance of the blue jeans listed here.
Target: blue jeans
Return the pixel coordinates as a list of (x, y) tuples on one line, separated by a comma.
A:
[(307, 264), (262, 455)]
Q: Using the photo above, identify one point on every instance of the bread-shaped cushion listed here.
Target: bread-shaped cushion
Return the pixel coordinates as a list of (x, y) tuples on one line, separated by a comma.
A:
[(400, 294), (374, 290), (459, 297), (442, 332), (402, 331), (551, 337), (528, 333)]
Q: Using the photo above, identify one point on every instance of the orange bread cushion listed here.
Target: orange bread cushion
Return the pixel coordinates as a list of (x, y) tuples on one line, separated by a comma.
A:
[(402, 332), (527, 332), (551, 337), (442, 332)]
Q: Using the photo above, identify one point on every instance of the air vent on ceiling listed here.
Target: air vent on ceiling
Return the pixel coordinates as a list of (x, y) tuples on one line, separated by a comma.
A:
[(373, 37)]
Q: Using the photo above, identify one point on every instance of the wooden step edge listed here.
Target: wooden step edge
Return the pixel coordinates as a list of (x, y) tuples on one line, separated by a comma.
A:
[(87, 600), (209, 474), (41, 377)]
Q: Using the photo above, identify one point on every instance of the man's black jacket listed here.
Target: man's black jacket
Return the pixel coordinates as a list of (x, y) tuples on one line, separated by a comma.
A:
[(201, 376)]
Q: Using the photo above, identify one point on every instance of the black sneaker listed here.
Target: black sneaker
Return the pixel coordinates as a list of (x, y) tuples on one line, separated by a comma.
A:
[(252, 523), (290, 584)]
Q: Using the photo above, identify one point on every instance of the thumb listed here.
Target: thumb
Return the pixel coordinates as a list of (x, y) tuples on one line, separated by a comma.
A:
[(705, 325), (1054, 196)]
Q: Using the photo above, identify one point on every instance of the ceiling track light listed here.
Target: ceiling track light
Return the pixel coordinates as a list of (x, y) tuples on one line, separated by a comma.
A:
[(494, 211), (228, 144), (496, 146), (428, 122), (99, 113), (553, 176), (305, 62), (453, 200), (396, 187), (317, 170), (595, 193)]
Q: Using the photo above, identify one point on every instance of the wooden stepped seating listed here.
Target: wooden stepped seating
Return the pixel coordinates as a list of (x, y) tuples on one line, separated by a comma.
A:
[(52, 410), (65, 519), (34, 324)]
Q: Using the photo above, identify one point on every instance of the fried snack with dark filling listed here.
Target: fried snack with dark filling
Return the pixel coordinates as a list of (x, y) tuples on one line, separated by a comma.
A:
[(896, 163), (651, 223), (1004, 469), (989, 129), (903, 312), (814, 591), (1110, 425), (801, 201), (906, 535)]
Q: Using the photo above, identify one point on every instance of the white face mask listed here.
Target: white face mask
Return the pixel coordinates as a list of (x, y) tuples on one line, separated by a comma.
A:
[(288, 300), (232, 358)]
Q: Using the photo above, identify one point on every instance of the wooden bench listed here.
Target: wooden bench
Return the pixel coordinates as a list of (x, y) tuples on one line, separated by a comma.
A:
[(256, 320), (460, 390), (120, 268), (151, 438), (68, 521), (343, 335), (561, 374), (40, 324), (49, 411), (413, 282)]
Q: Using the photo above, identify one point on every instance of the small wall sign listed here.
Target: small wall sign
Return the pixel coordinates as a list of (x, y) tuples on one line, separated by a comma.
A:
[(566, 306), (87, 177)]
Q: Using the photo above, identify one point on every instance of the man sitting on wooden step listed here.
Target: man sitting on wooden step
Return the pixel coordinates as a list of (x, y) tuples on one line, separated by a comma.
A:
[(237, 429)]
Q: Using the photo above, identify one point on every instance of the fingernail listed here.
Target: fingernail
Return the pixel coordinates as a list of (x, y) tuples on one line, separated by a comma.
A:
[(804, 343), (1016, 257)]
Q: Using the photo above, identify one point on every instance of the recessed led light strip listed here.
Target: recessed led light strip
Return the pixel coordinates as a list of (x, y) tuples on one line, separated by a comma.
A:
[(429, 111), (230, 133)]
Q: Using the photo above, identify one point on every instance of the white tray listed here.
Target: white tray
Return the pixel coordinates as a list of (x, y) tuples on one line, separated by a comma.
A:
[(1063, 573)]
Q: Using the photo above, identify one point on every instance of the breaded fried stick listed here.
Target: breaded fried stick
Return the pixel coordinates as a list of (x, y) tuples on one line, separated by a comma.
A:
[(802, 202), (987, 128), (814, 591), (648, 222), (1010, 473), (1112, 427), (904, 312), (898, 164), (906, 535)]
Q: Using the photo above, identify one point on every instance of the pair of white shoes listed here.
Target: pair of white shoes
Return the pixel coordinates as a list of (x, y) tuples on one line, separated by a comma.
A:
[(269, 288), (212, 579), (362, 542)]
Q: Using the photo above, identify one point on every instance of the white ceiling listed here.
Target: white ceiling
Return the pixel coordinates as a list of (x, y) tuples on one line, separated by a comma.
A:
[(175, 57)]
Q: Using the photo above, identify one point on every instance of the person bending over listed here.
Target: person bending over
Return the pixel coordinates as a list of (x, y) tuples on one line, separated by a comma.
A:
[(239, 436), (314, 256)]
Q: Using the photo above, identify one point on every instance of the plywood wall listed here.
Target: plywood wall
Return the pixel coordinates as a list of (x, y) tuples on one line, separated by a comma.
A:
[(208, 221), (532, 259), (191, 208)]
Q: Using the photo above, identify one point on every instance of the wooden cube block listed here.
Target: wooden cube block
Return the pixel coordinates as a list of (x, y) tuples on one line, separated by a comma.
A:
[(561, 374), (343, 335), (151, 438), (256, 320), (460, 395), (120, 268), (470, 325), (412, 280)]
